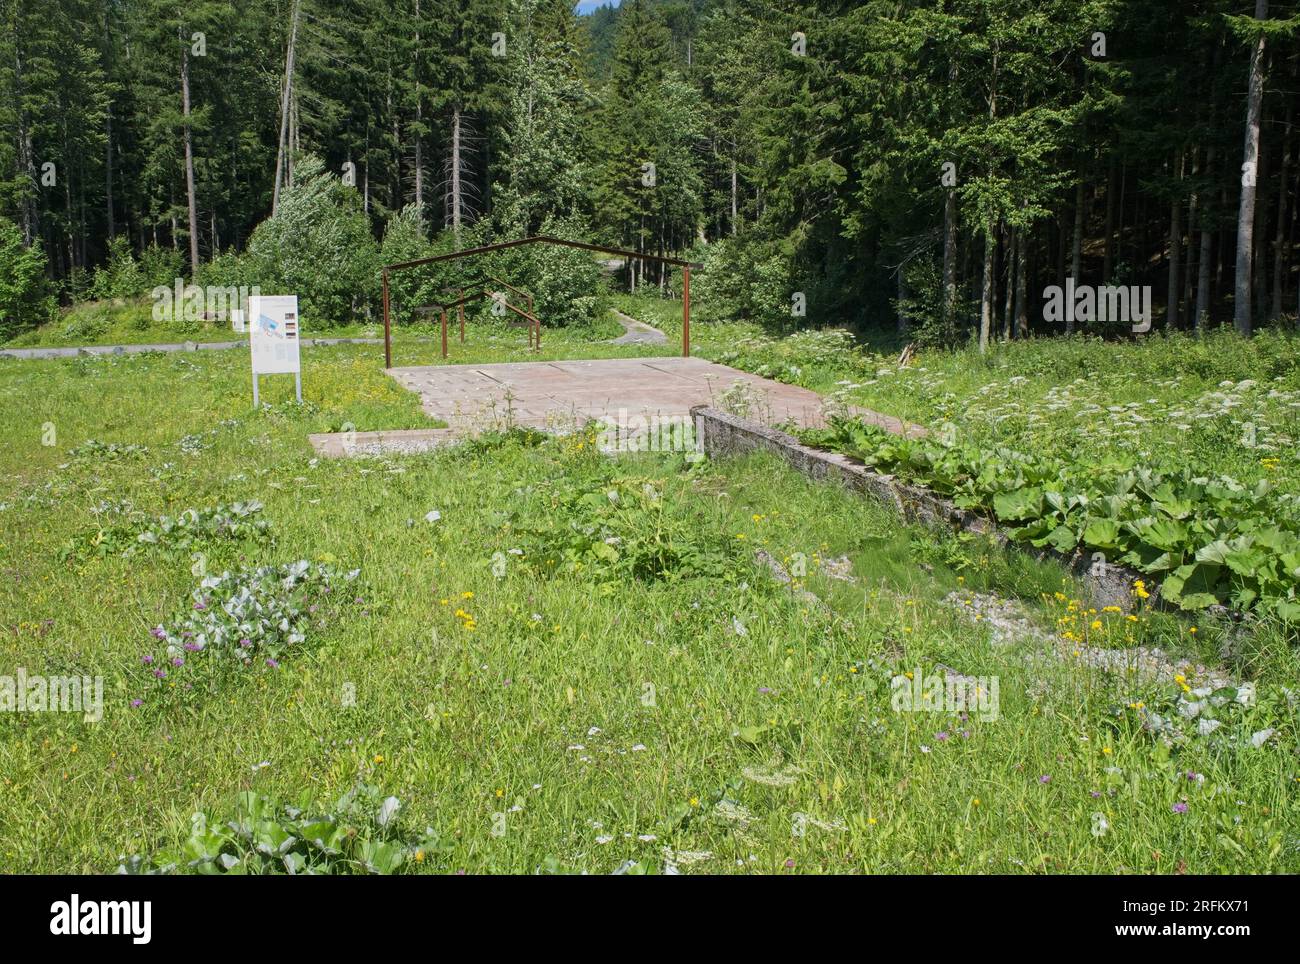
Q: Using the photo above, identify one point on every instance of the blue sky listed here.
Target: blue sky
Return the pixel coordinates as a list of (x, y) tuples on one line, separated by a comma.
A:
[(586, 6)]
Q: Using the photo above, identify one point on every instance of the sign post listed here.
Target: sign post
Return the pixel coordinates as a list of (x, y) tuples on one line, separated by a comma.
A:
[(273, 338)]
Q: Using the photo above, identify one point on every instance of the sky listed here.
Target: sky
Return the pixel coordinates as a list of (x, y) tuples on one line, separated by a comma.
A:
[(586, 6)]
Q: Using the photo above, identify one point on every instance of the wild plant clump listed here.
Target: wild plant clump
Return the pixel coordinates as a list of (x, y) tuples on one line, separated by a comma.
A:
[(360, 834), (241, 620)]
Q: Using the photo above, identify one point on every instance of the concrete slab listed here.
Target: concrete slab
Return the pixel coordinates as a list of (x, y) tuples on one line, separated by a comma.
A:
[(541, 393), (564, 395)]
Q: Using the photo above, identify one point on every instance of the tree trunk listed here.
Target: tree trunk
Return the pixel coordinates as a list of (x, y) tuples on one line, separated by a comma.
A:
[(1279, 237), (419, 124), (1203, 259), (284, 111), (1076, 249), (455, 175), (1022, 274), (1175, 244), (902, 307), (1011, 240), (1189, 228), (986, 289), (1108, 256), (24, 156), (949, 263), (1246, 212), (108, 139), (735, 220), (189, 160)]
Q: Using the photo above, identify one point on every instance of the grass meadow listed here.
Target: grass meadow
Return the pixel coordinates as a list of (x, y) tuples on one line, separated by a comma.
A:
[(558, 661)]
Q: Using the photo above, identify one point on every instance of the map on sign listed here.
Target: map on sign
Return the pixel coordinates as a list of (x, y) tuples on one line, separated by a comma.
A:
[(273, 334)]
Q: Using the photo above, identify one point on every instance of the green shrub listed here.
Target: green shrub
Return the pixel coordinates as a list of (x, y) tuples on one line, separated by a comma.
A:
[(160, 266), (405, 240), (568, 286), (229, 270), (745, 278), (120, 276), (25, 297), (319, 247)]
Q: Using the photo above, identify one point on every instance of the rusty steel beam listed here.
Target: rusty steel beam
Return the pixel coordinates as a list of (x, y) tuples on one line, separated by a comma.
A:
[(388, 334), (534, 327), (540, 239), (519, 291), (686, 312), (686, 267)]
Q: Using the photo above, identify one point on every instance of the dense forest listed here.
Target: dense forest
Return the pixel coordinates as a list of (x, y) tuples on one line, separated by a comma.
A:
[(926, 164)]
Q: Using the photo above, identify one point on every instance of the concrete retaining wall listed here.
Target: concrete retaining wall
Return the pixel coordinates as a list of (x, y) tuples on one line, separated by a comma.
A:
[(722, 435)]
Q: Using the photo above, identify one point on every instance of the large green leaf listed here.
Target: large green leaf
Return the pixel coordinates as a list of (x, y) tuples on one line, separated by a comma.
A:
[(1025, 503)]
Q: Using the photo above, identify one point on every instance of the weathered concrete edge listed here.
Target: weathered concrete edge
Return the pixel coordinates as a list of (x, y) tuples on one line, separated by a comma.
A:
[(75, 351), (721, 435)]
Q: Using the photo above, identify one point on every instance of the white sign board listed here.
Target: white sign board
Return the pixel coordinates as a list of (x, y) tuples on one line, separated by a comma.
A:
[(273, 334)]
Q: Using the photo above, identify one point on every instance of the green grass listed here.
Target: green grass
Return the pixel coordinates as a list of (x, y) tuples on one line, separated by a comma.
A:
[(717, 712), (131, 322)]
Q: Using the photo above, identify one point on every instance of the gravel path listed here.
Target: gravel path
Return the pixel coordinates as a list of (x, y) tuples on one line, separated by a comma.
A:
[(637, 332)]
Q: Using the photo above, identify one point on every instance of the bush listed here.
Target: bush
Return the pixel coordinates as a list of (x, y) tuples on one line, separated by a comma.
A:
[(744, 278), (25, 297), (229, 270), (319, 247), (923, 307), (160, 266), (405, 240), (125, 276), (568, 286), (120, 277)]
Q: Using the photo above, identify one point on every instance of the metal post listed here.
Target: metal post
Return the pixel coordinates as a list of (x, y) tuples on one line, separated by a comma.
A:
[(461, 309), (388, 338), (686, 312), (297, 385), (255, 400), (444, 332)]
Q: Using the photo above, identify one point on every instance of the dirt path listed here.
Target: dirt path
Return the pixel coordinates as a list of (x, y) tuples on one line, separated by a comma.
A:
[(637, 332)]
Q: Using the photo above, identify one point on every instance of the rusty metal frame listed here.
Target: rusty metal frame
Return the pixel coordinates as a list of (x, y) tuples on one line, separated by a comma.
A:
[(519, 291), (534, 323), (686, 267)]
